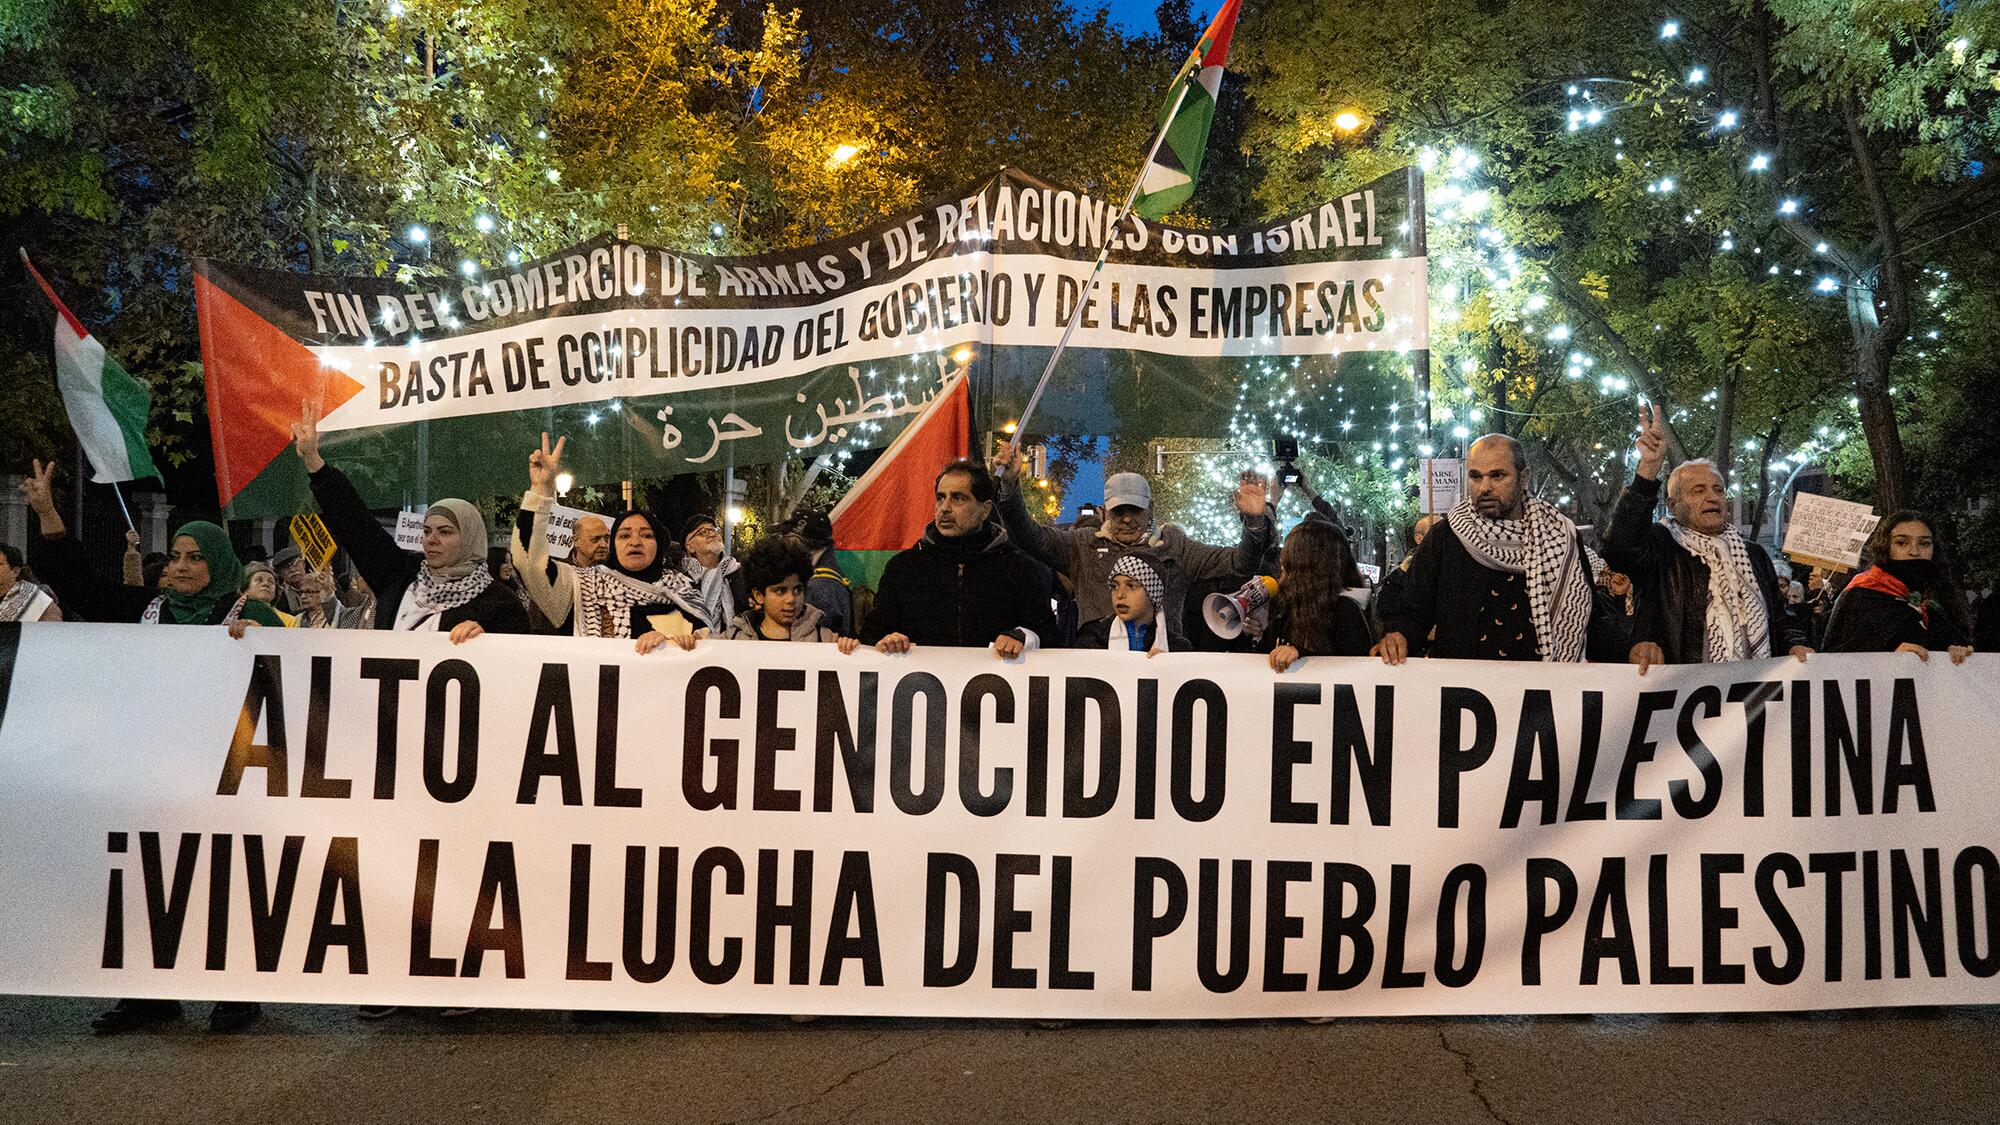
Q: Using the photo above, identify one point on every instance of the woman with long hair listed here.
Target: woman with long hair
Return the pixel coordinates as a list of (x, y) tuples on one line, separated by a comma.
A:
[(1907, 601), (1310, 615)]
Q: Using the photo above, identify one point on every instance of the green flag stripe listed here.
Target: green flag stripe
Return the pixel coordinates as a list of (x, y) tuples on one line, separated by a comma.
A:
[(130, 404)]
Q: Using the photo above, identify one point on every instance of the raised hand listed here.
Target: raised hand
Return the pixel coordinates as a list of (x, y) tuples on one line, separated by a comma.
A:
[(1652, 440), (36, 488), (544, 464), (305, 436), (1253, 494)]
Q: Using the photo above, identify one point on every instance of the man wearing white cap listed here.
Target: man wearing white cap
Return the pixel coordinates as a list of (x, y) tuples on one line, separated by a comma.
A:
[(1086, 555)]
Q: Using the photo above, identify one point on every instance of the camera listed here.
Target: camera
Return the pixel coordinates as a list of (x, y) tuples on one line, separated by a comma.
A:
[(1285, 451)]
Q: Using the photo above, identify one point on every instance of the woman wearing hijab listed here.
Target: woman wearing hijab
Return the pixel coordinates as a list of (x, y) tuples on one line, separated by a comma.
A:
[(202, 584), (199, 587), (636, 590), (1906, 602), (446, 589)]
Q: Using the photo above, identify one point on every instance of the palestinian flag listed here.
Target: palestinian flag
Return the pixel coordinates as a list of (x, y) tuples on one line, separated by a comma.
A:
[(107, 407), (1168, 181), (888, 509)]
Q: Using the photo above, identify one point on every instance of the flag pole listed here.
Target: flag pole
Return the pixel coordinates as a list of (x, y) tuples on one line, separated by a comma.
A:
[(120, 494), (1183, 79)]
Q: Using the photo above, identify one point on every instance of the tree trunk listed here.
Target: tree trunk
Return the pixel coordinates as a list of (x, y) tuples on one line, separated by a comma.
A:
[(1764, 478), (1725, 421), (1878, 330)]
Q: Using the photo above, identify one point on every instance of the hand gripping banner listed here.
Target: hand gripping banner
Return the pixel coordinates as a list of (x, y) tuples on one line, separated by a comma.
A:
[(385, 818)]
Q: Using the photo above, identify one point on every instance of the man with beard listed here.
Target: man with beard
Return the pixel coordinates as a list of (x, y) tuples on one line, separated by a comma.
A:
[(963, 583), (1705, 594), (1502, 576)]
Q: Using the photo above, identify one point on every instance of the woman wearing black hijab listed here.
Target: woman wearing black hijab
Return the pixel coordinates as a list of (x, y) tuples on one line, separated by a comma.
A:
[(638, 589), (1906, 602)]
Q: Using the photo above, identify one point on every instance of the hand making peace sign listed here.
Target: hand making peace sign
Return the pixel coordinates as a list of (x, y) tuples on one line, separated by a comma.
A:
[(544, 464)]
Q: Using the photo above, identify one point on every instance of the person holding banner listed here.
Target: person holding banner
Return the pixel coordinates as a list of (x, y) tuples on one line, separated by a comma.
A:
[(202, 584), (1312, 614), (964, 583), (20, 599), (1906, 602), (260, 584), (445, 589), (1137, 623), (1085, 554), (1503, 576), (631, 595), (1706, 595)]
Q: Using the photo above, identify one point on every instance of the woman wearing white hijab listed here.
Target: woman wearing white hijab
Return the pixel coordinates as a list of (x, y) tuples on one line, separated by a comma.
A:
[(445, 589)]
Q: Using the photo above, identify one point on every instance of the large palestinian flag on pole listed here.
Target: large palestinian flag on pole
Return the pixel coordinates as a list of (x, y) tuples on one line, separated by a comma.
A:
[(655, 362), (1168, 179), (107, 407)]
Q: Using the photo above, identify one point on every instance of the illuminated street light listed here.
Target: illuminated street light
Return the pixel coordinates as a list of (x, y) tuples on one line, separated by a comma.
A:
[(842, 154)]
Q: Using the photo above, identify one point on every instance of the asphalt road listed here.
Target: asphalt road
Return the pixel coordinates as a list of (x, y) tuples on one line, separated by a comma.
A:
[(313, 1064)]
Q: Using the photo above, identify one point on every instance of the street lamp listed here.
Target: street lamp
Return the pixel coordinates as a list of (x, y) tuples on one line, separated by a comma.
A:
[(1347, 121), (842, 154)]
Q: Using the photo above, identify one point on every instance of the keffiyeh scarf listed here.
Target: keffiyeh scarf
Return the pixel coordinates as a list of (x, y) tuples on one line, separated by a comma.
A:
[(605, 599), (1542, 548), (1738, 628)]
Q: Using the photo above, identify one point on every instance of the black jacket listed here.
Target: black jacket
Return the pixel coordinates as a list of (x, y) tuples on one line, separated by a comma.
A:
[(1671, 585), (1872, 621), (1351, 635), (389, 569), (86, 596), (1442, 590), (963, 592)]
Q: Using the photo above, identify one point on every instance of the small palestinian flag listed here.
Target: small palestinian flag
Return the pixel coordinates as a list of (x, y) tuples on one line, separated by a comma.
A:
[(1168, 181), (888, 509), (107, 407)]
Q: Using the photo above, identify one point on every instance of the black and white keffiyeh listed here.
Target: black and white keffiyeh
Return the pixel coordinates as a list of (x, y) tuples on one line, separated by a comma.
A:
[(605, 599), (436, 593), (1738, 628), (1542, 548), (16, 604)]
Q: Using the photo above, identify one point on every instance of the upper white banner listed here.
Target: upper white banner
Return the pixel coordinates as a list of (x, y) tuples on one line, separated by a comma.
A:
[(339, 817)]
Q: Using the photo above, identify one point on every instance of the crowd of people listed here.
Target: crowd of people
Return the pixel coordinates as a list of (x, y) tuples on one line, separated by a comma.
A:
[(1503, 575)]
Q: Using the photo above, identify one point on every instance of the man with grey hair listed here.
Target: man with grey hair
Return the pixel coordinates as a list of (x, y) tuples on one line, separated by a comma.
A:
[(1706, 595), (1502, 576)]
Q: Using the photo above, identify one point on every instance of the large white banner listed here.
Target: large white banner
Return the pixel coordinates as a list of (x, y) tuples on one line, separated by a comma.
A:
[(531, 822)]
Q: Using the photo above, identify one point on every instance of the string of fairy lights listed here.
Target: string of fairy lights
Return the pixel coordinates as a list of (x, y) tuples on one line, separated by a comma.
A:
[(1364, 422)]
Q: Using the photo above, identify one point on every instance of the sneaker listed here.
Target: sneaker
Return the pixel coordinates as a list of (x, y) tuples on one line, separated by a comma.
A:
[(233, 1015), (377, 1011), (131, 1015)]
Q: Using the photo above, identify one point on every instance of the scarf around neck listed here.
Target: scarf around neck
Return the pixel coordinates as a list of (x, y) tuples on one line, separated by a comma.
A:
[(1541, 547), (1738, 626)]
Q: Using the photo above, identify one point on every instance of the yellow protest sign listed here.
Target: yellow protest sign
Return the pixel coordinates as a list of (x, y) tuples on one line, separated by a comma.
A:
[(314, 540)]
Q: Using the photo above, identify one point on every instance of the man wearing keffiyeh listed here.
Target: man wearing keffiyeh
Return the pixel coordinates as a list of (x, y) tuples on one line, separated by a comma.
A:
[(1502, 576), (1705, 594)]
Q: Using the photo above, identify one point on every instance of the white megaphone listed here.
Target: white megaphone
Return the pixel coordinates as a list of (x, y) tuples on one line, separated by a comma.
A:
[(1229, 614)]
